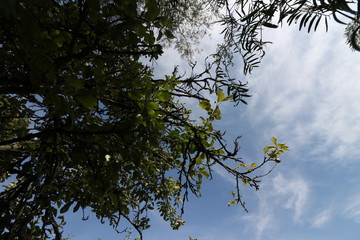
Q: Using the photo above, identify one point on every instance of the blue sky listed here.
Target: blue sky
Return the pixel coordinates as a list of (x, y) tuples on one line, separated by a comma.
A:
[(307, 94)]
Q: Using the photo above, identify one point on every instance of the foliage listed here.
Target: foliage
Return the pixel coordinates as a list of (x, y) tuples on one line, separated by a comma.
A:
[(191, 20), (271, 153), (245, 21), (86, 125)]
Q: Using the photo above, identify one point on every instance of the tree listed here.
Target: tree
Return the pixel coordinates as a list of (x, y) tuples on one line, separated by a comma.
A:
[(86, 124)]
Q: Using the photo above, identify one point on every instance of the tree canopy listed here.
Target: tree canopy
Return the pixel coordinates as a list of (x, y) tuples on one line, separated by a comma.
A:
[(85, 124)]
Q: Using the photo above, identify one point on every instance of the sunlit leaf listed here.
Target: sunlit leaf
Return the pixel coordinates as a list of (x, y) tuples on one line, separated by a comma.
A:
[(204, 172), (220, 96), (217, 113)]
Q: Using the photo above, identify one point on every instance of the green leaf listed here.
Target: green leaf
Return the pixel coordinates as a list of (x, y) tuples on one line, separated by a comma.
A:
[(242, 165), (114, 198), (198, 160), (169, 34), (228, 98), (159, 36), (66, 207), (77, 206), (283, 146), (32, 145), (135, 95), (58, 42), (73, 82), (163, 96), (150, 38), (152, 10), (274, 140), (205, 104), (245, 182), (220, 96), (88, 101), (153, 105), (204, 172), (217, 113), (267, 148)]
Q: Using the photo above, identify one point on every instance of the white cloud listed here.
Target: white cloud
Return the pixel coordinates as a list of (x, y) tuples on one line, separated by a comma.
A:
[(309, 94), (262, 221), (224, 174), (322, 218), (295, 191), (282, 192), (352, 209), (306, 93)]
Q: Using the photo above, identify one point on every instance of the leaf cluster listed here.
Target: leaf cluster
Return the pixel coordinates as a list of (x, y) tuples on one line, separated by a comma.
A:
[(271, 154)]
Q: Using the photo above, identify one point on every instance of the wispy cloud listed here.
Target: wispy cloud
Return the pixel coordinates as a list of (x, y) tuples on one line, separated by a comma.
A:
[(224, 174), (261, 221), (322, 218), (295, 191), (309, 95), (282, 192), (352, 209)]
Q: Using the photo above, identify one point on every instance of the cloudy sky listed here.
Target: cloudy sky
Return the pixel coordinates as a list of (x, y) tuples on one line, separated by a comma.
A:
[(307, 94)]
